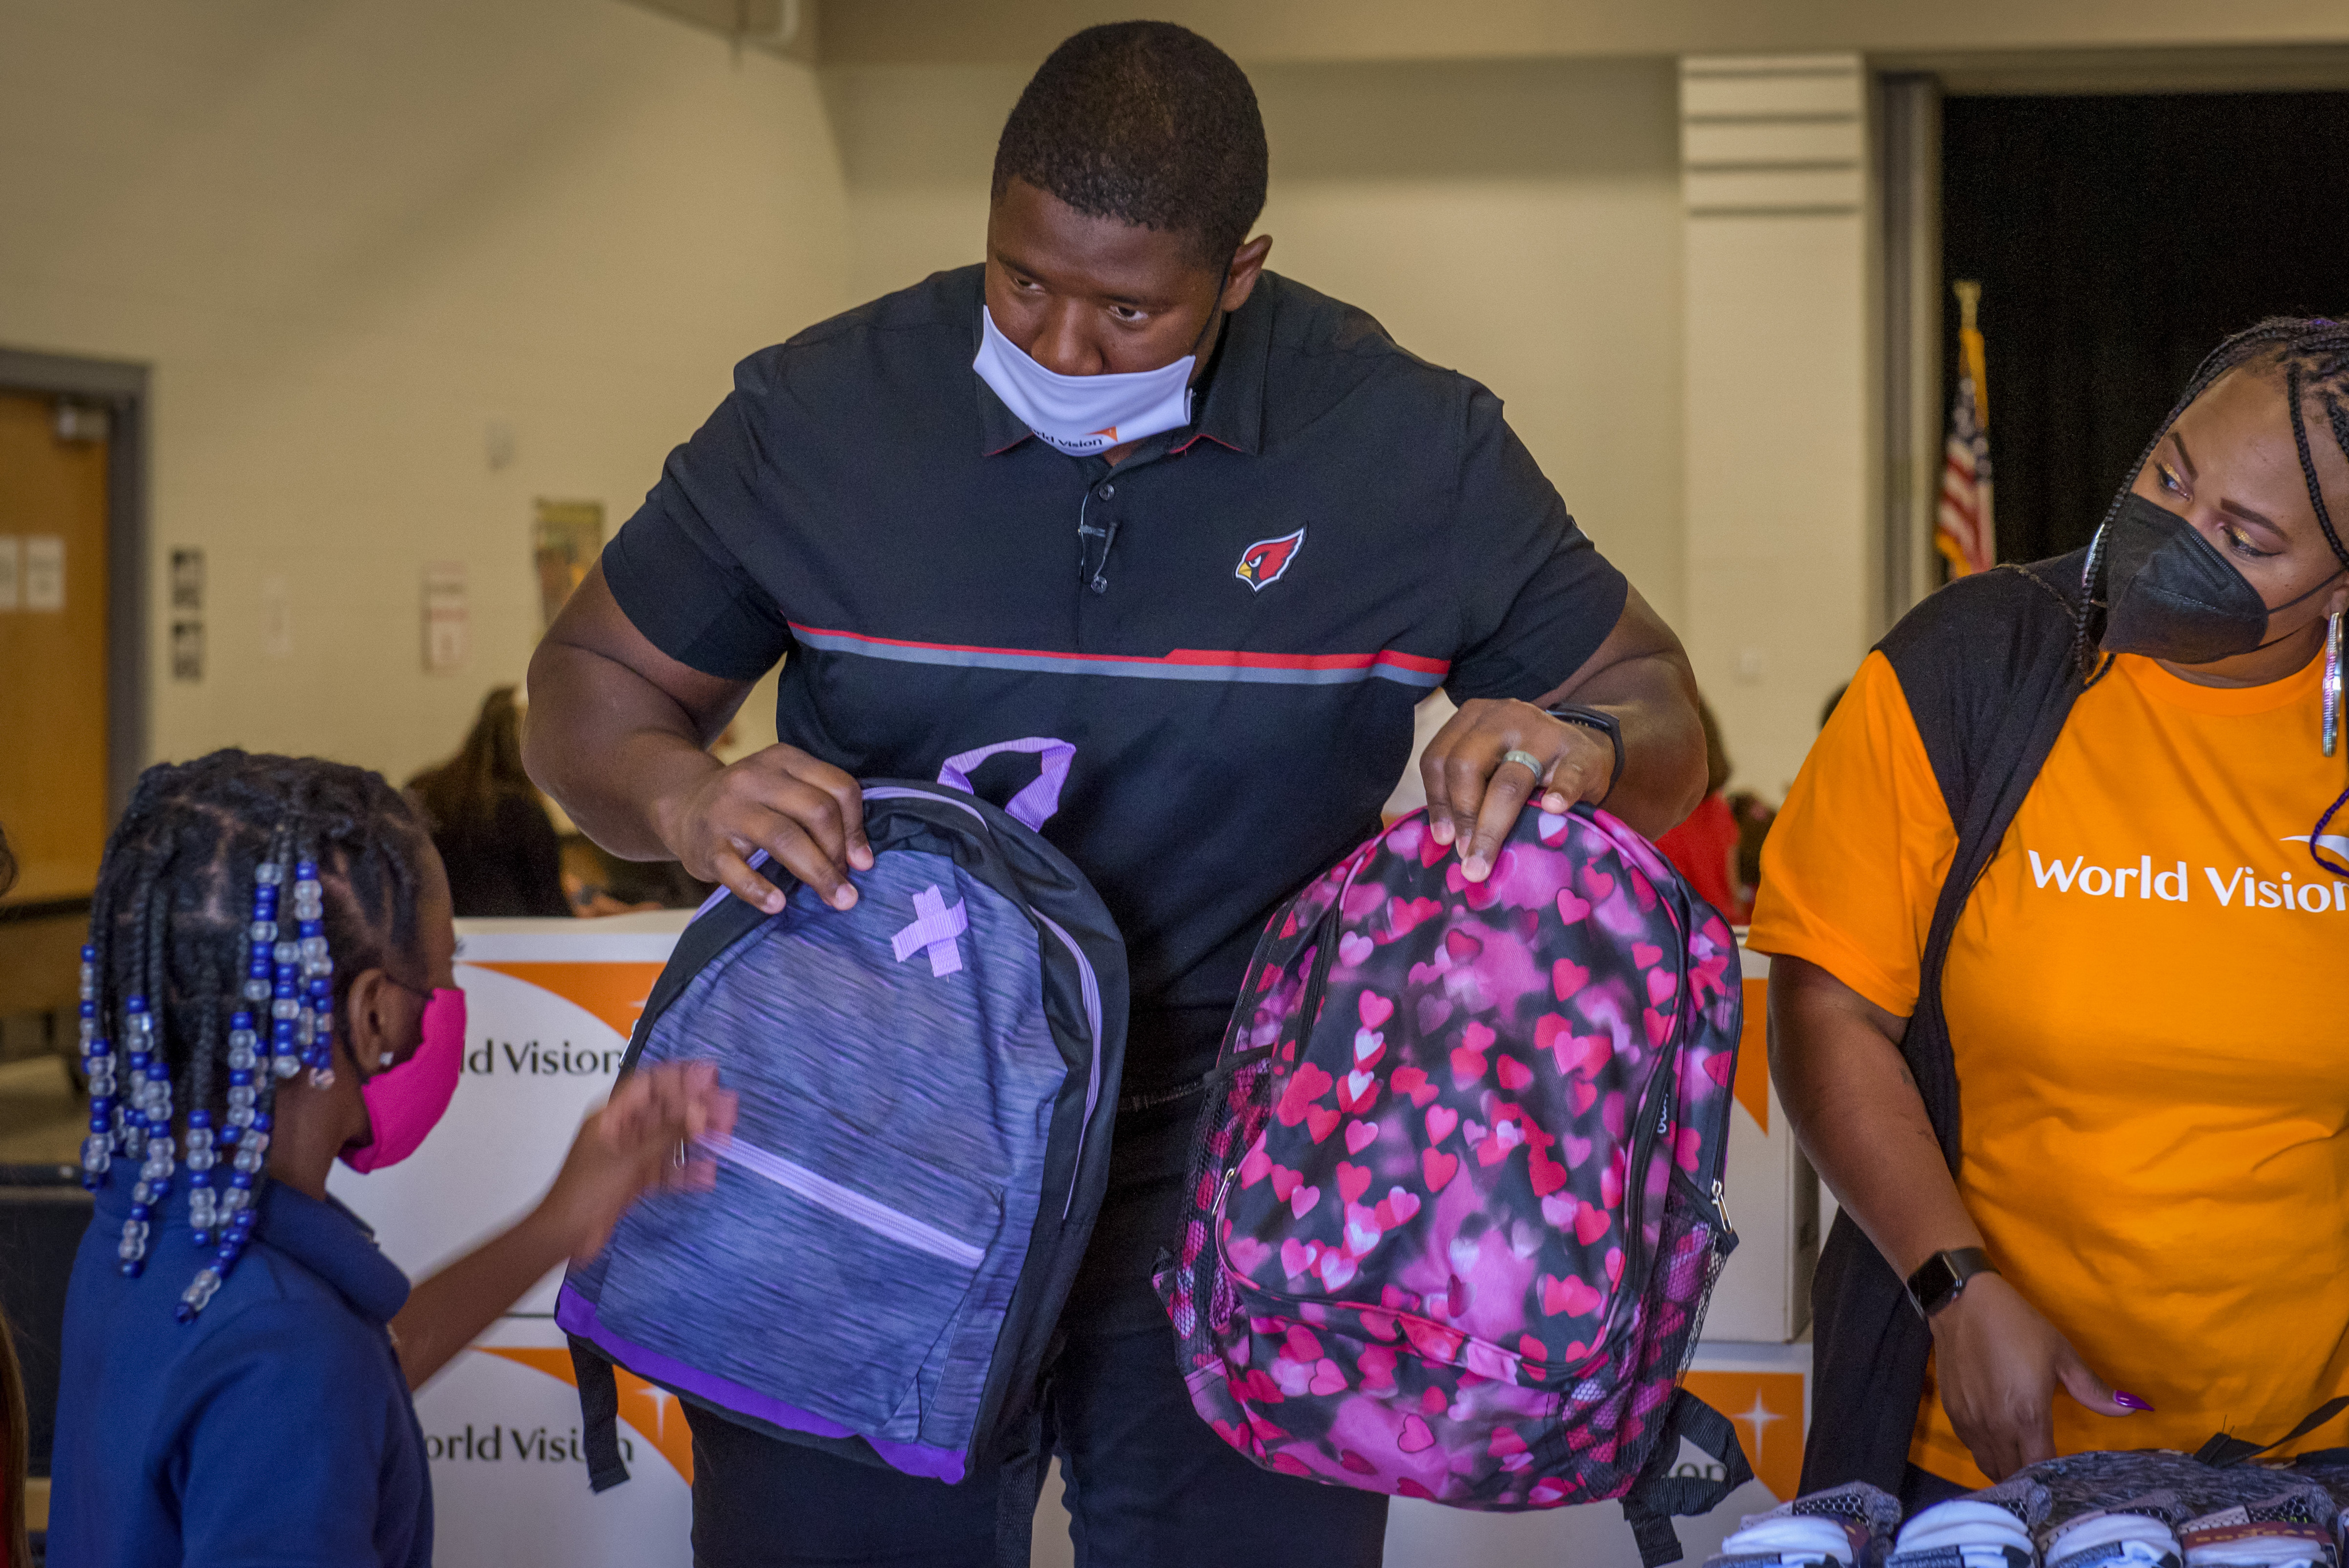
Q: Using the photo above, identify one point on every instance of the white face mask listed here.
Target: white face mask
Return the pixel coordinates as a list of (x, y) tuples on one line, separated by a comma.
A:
[(1082, 415)]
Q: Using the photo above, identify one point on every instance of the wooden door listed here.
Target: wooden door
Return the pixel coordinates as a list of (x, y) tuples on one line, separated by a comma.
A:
[(53, 601)]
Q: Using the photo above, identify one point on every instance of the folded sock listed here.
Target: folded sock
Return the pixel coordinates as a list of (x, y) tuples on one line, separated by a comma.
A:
[(2239, 1537), (1850, 1525), (2111, 1539), (1785, 1538), (1964, 1532)]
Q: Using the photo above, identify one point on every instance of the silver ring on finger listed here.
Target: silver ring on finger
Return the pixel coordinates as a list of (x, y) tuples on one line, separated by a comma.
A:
[(1527, 760)]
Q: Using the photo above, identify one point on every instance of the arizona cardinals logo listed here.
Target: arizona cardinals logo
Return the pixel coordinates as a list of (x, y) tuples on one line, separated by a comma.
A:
[(1263, 562)]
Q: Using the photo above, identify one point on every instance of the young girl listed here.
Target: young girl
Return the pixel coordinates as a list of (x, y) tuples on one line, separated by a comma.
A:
[(269, 987)]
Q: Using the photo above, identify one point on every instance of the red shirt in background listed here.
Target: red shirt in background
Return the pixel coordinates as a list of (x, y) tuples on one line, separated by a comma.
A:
[(1703, 848)]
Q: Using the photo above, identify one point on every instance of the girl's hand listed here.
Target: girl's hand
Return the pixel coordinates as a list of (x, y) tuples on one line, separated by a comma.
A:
[(642, 1139)]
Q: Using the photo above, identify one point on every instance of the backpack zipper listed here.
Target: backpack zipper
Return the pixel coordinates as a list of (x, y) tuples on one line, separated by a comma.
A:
[(845, 1201)]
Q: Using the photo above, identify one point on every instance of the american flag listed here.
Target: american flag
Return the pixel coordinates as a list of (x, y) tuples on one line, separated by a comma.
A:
[(1962, 527)]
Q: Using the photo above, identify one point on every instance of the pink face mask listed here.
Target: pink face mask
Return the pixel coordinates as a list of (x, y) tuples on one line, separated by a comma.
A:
[(406, 1102)]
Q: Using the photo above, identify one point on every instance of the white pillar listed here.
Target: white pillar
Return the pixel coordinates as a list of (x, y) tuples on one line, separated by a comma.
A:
[(1783, 424)]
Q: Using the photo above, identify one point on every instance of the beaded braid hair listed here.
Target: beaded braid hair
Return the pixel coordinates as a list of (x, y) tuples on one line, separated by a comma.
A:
[(213, 997)]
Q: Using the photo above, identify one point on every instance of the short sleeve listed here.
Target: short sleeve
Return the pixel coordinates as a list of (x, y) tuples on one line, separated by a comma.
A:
[(284, 1438), (1537, 596), (1854, 863), (670, 567)]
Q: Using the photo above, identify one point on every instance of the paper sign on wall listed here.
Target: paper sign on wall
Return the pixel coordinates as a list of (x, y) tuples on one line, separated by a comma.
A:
[(277, 618), (447, 617), (566, 540), (44, 572)]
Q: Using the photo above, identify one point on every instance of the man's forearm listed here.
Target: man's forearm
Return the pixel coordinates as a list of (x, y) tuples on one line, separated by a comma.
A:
[(609, 746), (1653, 698)]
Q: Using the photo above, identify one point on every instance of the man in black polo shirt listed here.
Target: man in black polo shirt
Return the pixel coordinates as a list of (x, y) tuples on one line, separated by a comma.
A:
[(1122, 487)]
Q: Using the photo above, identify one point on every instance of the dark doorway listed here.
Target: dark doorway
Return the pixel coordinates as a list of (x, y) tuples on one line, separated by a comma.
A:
[(2116, 240)]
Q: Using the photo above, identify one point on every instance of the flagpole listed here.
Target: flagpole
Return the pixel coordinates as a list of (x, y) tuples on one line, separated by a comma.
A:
[(1963, 532), (1970, 345)]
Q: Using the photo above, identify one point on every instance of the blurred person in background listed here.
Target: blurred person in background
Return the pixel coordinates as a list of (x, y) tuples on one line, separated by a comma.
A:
[(1755, 814), (492, 829), (1705, 846)]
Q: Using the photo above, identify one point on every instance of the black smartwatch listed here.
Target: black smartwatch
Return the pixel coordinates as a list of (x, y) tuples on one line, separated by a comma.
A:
[(1592, 719), (1939, 1279)]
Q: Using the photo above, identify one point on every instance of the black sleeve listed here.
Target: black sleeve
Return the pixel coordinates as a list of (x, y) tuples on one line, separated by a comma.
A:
[(1536, 598), (671, 567)]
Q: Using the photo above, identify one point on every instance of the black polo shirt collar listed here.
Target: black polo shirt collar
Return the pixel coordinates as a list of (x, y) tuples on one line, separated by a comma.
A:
[(1234, 640), (1231, 411)]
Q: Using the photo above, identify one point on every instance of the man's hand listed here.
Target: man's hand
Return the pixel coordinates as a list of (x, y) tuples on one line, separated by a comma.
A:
[(1999, 1364), (1474, 797), (1639, 678), (616, 731), (808, 815)]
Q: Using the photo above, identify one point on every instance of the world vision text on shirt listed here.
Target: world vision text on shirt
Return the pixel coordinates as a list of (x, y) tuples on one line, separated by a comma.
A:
[(2147, 1007), (2176, 887)]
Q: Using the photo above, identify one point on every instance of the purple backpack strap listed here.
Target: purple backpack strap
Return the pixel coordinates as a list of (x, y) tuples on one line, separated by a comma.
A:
[(1034, 805)]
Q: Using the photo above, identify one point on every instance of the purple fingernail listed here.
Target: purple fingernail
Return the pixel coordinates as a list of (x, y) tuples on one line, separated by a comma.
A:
[(2127, 1401)]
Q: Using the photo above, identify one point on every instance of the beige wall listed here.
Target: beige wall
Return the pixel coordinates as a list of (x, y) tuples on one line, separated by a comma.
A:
[(1258, 31), (349, 235), (1518, 220)]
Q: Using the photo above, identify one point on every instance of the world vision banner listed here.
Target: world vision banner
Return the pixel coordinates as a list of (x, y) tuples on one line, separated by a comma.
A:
[(502, 1432), (1766, 1398), (1764, 1293), (549, 1005)]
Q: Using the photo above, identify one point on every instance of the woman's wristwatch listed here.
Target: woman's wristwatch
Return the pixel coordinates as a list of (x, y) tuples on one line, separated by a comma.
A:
[(1942, 1278), (1592, 719)]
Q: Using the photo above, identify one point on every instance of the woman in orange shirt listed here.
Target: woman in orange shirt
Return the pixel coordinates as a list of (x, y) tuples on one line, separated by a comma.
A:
[(2058, 1006)]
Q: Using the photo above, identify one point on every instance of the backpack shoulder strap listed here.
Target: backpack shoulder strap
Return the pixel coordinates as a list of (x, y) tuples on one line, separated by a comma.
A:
[(599, 1414), (1988, 670), (1658, 1494)]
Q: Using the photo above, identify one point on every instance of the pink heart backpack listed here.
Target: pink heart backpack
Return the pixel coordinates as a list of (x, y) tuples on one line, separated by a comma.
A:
[(1457, 1200)]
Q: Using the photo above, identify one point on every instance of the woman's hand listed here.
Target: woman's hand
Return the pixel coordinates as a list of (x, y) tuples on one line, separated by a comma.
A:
[(642, 1139), (1999, 1364), (808, 814)]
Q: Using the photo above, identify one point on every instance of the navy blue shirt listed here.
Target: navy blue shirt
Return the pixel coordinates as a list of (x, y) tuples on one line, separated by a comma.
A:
[(1232, 625), (274, 1429)]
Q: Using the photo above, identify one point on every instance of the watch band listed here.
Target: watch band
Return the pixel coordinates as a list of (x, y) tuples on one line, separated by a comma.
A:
[(1941, 1278), (1592, 719)]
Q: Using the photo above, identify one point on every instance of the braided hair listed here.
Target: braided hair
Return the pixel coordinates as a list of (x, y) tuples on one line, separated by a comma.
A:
[(214, 1000), (2312, 355)]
